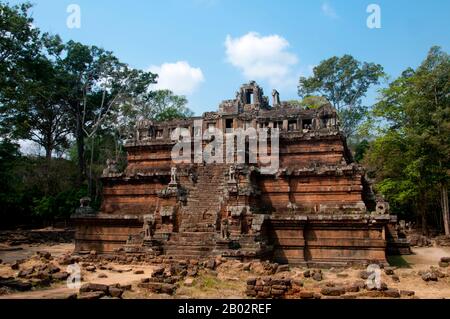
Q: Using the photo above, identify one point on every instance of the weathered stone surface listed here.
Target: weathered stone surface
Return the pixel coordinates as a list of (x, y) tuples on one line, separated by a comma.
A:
[(333, 291), (317, 276), (189, 282), (306, 295), (60, 276), (251, 281), (18, 285), (115, 292), (429, 276), (282, 268), (391, 293), (91, 268), (15, 266), (407, 293), (94, 287), (158, 271), (352, 288), (25, 273), (44, 254), (364, 274), (91, 295), (389, 271)]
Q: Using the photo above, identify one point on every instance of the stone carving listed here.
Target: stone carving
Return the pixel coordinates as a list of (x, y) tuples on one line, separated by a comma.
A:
[(173, 175), (382, 207), (276, 98), (111, 168), (232, 173), (85, 207), (224, 229), (149, 222), (257, 223)]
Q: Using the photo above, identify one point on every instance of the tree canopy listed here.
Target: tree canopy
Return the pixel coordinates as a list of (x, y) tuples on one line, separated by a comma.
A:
[(343, 81)]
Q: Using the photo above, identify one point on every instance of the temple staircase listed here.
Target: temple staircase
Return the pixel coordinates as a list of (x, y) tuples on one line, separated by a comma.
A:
[(200, 218)]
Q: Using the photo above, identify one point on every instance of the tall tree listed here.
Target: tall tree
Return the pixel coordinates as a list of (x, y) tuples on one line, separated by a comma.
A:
[(19, 45), (412, 153), (97, 83), (343, 81)]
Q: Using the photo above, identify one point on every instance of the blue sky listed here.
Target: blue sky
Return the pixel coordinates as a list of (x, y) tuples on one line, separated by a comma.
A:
[(206, 49)]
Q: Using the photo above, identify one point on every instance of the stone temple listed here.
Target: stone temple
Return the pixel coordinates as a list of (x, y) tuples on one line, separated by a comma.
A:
[(316, 208)]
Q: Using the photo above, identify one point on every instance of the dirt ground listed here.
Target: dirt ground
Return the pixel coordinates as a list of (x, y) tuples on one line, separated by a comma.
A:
[(229, 279)]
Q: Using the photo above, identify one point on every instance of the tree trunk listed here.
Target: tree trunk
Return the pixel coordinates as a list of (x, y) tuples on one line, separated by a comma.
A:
[(80, 149), (91, 162), (48, 153), (445, 208), (423, 214)]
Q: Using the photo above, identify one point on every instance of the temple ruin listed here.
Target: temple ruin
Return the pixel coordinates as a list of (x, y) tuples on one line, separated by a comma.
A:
[(317, 208)]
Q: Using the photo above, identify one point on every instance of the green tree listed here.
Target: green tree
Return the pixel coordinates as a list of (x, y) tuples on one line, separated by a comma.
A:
[(411, 155), (160, 105), (343, 81), (309, 102), (19, 44), (97, 84)]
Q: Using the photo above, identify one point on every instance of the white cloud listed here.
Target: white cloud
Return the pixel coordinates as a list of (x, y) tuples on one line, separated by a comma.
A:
[(262, 57), (178, 77), (328, 10)]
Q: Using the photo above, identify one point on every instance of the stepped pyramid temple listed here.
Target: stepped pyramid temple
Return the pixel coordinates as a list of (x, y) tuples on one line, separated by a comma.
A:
[(313, 206)]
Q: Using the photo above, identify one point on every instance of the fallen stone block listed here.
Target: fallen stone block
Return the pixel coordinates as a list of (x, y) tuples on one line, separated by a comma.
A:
[(60, 276), (333, 291), (251, 281), (306, 295), (15, 266), (429, 276), (352, 288), (364, 274), (391, 293), (317, 276), (407, 293), (44, 254), (115, 292), (91, 268), (90, 287), (282, 268), (189, 282), (16, 284), (92, 295)]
